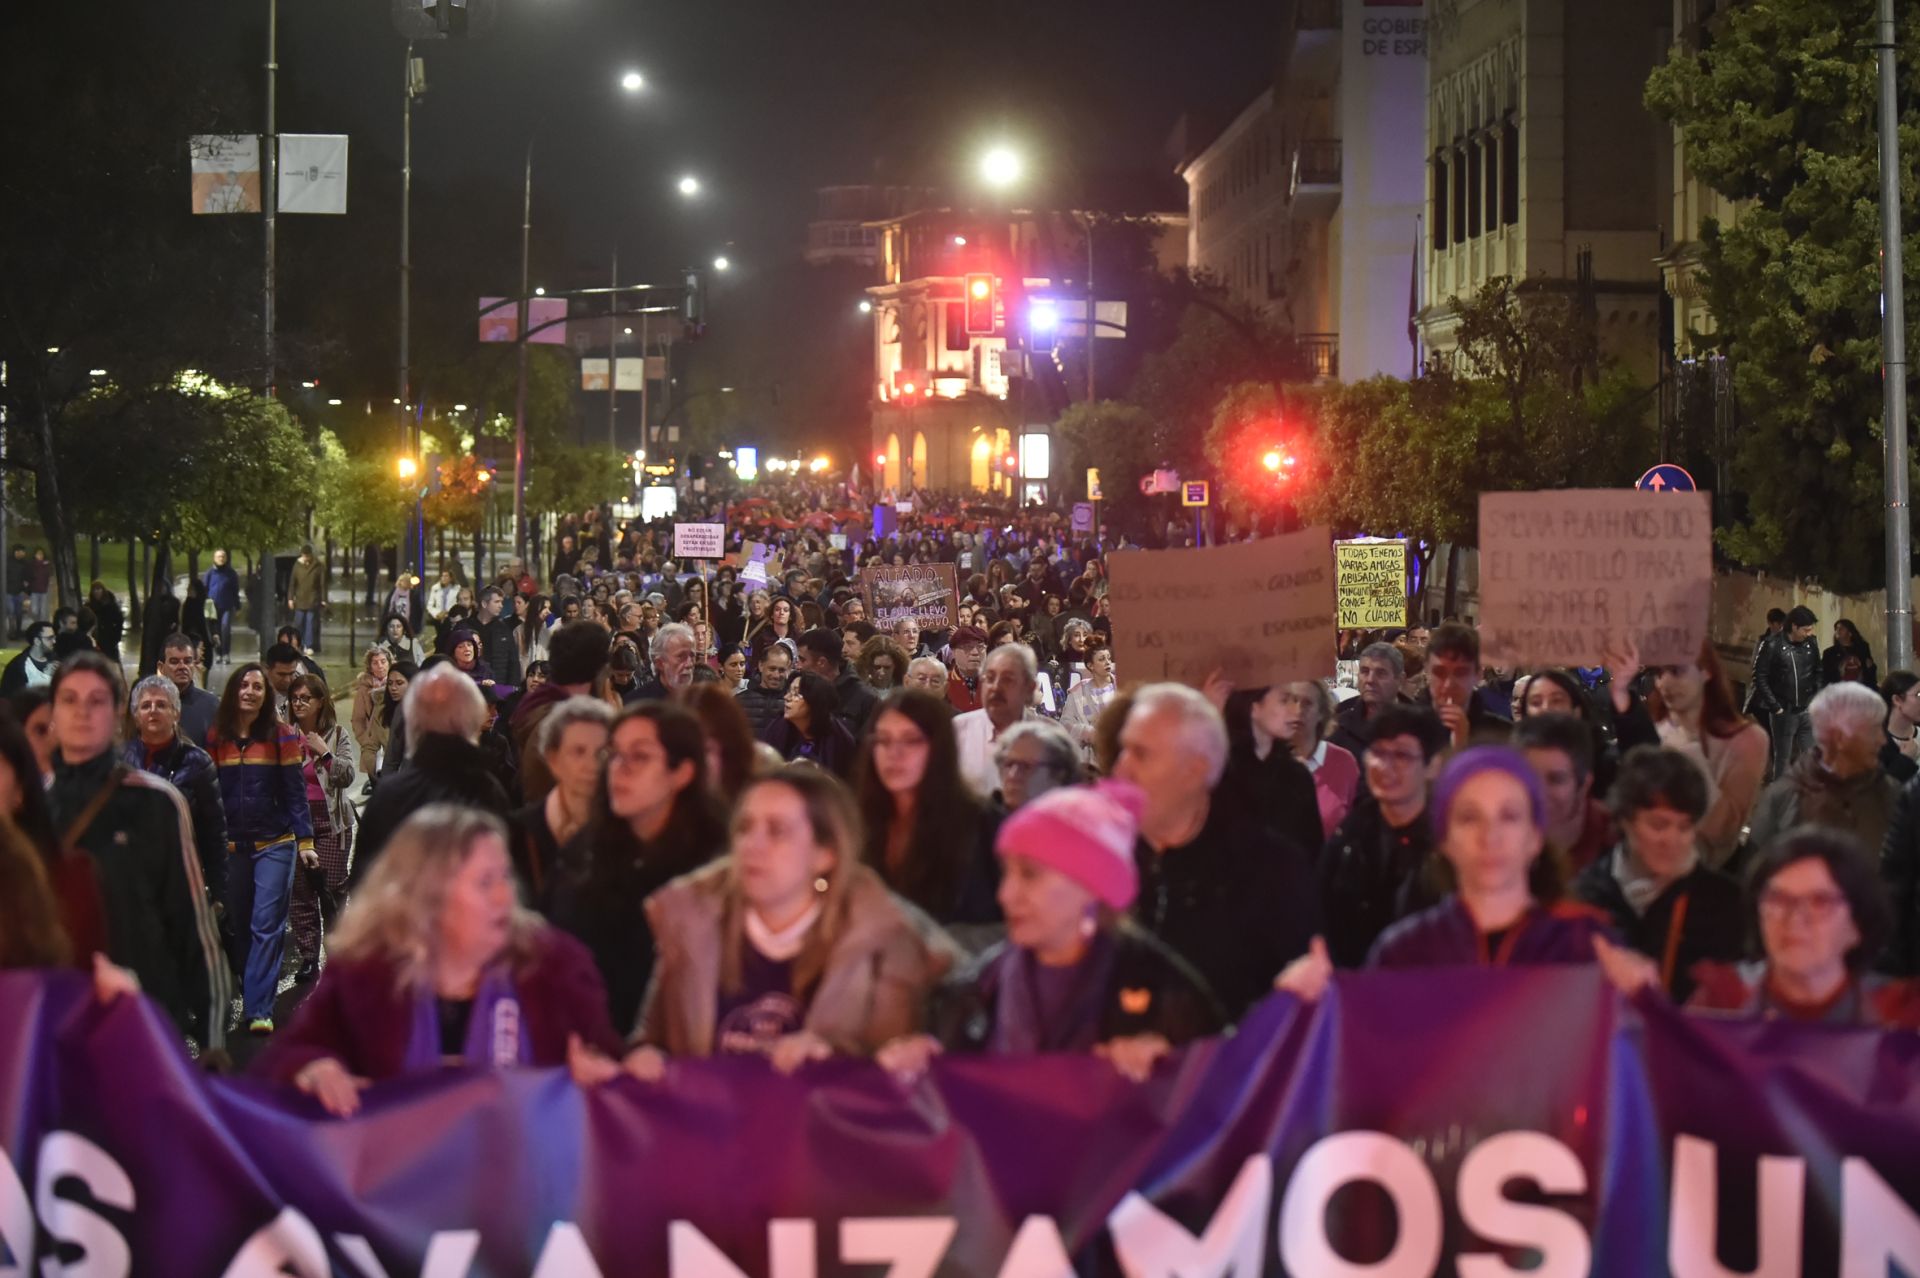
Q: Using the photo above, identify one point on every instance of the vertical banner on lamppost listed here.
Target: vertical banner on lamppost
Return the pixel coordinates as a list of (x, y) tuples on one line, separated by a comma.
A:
[(313, 173), (226, 173)]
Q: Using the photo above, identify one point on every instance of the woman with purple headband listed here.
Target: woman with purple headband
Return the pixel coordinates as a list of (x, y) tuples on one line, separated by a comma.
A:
[(1489, 812)]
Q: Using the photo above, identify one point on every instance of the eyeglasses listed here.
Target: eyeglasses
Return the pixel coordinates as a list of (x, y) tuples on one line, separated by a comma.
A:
[(610, 756), (300, 699), (1024, 767), (1817, 907)]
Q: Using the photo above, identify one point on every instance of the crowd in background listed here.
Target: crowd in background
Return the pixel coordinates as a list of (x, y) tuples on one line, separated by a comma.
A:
[(629, 810)]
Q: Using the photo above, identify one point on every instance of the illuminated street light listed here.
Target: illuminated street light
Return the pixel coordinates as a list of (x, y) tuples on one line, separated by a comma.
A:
[(1043, 315), (959, 241), (1001, 166), (627, 331), (866, 307), (721, 264), (333, 403), (880, 459), (407, 468), (540, 292), (817, 465), (633, 82), (689, 185), (459, 408), (1271, 461)]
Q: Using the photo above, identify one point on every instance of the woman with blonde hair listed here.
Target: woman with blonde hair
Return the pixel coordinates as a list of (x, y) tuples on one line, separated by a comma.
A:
[(369, 689), (436, 963), (789, 947)]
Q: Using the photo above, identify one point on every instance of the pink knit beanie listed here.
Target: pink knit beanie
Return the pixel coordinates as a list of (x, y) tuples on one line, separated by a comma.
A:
[(1086, 833)]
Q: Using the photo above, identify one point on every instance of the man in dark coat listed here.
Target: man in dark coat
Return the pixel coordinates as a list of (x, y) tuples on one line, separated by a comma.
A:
[(445, 714)]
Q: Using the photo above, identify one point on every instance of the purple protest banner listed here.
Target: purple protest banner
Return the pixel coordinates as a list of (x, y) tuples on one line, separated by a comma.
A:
[(1492, 1122)]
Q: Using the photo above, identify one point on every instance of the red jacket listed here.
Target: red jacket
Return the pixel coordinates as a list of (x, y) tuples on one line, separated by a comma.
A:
[(358, 1015), (961, 697)]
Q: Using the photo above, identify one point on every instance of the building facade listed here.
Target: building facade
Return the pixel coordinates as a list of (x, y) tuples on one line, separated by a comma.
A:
[(843, 228), (1306, 206), (1543, 164), (968, 314)]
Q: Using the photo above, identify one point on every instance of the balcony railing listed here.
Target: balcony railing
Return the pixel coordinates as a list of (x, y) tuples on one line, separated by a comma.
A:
[(1319, 354), (1317, 163)]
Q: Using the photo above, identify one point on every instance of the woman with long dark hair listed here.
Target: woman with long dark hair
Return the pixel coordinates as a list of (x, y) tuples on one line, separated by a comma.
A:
[(269, 826), (808, 729), (329, 765), (1850, 658), (730, 740), (781, 624), (928, 837), (1692, 707), (531, 633), (654, 818)]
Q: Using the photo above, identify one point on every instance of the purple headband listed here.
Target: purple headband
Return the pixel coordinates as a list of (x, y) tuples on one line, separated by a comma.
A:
[(1470, 763)]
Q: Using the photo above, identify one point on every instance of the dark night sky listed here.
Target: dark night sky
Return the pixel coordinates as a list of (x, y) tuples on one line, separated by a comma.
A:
[(764, 100)]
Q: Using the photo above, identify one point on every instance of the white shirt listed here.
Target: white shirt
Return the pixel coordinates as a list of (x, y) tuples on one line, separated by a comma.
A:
[(973, 736)]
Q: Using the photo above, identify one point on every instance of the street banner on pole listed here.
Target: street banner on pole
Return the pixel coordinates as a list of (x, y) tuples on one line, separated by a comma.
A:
[(1371, 580), (629, 374), (1566, 576), (226, 173), (593, 374), (1583, 1134), (313, 173), (1262, 612), (929, 593), (500, 317)]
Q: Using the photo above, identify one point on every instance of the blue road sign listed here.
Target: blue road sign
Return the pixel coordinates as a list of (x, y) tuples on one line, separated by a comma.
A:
[(1666, 478)]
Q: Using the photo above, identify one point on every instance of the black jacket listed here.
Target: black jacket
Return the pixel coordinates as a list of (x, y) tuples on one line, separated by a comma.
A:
[(1237, 902), (1900, 871), (1370, 878), (159, 920), (760, 705), (1277, 790), (1147, 989), (858, 701), (1698, 918), (190, 770), (1789, 675), (444, 769), (1756, 699)]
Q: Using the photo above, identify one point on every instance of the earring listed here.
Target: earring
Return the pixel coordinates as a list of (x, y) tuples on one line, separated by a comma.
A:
[(820, 885), (1088, 925)]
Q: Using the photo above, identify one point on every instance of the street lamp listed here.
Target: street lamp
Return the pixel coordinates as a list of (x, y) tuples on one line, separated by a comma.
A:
[(866, 307), (689, 185), (1002, 166), (721, 264), (633, 82), (406, 467)]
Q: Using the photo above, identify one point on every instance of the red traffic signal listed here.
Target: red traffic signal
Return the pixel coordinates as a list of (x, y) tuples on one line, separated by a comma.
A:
[(980, 303)]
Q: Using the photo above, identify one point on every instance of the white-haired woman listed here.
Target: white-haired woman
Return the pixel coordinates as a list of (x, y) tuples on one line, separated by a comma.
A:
[(1839, 783), (435, 963)]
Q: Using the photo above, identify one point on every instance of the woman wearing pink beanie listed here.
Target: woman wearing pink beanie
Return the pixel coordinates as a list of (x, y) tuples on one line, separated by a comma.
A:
[(1074, 974)]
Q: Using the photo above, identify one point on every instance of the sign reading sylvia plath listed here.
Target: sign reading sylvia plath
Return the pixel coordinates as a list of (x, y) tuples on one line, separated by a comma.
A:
[(1261, 612), (1568, 577), (1556, 1130)]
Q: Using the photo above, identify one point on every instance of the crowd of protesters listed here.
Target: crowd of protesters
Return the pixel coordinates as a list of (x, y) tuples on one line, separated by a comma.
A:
[(625, 812)]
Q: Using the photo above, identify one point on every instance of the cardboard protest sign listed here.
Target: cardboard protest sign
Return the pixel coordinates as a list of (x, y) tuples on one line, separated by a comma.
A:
[(1261, 611), (1565, 576), (1371, 583), (929, 593), (699, 541)]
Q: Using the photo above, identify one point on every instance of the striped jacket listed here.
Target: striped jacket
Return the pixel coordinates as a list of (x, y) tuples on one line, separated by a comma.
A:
[(262, 789)]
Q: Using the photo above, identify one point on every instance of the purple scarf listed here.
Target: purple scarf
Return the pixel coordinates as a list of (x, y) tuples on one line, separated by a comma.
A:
[(496, 1031), (1018, 1027)]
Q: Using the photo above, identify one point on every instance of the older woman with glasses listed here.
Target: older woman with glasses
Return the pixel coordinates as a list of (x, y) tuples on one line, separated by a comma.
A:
[(1823, 917), (158, 747), (1033, 757)]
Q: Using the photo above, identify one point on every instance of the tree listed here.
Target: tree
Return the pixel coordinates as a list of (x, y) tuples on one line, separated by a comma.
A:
[(1118, 439), (573, 478), (358, 498), (1776, 107), (1251, 421)]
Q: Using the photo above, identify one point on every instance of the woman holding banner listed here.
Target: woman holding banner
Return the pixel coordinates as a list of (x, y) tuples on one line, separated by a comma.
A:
[(435, 964), (1489, 813), (1075, 974), (1823, 918), (789, 948)]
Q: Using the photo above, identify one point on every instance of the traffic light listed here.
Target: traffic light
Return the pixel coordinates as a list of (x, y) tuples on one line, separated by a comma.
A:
[(980, 303), (1280, 462)]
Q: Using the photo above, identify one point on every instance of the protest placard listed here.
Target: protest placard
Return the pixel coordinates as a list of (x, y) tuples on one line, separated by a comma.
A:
[(699, 541), (1260, 611), (1371, 582), (1566, 576), (929, 593)]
